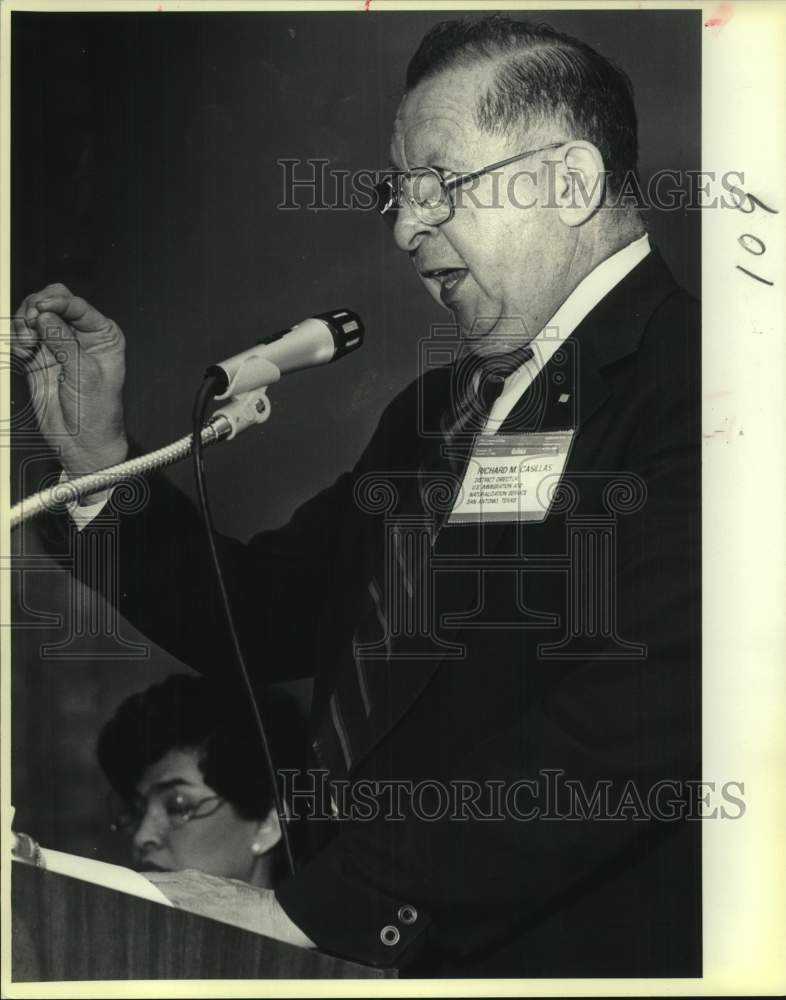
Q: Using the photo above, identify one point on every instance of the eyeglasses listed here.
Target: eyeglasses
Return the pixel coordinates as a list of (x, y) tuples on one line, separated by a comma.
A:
[(428, 193), (178, 809)]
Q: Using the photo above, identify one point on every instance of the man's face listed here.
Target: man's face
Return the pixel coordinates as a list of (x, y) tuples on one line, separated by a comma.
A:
[(497, 263)]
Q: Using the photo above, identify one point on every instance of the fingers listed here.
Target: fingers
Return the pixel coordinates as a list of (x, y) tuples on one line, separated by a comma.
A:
[(72, 308), (55, 313), (56, 290), (30, 310), (24, 335), (25, 325)]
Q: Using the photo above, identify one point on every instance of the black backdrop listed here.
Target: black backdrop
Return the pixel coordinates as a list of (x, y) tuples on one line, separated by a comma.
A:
[(145, 177)]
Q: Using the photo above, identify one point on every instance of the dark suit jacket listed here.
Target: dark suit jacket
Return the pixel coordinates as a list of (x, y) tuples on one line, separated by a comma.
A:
[(543, 684)]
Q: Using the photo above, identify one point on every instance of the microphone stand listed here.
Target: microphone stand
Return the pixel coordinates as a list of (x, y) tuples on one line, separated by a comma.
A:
[(235, 415)]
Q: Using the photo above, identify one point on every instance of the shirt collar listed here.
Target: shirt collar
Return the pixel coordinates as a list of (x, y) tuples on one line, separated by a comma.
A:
[(581, 301)]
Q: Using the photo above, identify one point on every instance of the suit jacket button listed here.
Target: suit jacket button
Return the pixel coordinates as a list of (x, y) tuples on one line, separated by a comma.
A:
[(389, 935), (407, 914)]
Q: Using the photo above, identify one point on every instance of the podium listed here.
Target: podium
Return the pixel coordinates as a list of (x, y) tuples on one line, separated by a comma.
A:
[(65, 929)]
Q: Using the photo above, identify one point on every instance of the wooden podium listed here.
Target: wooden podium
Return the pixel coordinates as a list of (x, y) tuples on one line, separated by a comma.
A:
[(66, 929)]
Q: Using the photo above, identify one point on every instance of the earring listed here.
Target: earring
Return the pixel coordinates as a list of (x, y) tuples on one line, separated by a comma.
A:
[(256, 847)]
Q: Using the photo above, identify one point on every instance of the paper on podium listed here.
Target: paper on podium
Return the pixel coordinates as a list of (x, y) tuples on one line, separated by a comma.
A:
[(99, 873)]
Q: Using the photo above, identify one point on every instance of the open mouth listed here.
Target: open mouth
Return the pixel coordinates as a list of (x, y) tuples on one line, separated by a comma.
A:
[(449, 279), (450, 276), (446, 276)]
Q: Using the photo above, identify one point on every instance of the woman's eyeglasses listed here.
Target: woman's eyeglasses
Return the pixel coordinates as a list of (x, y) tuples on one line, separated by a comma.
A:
[(178, 809), (428, 193)]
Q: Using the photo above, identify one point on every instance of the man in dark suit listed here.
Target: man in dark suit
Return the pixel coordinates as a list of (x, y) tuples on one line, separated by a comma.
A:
[(506, 707)]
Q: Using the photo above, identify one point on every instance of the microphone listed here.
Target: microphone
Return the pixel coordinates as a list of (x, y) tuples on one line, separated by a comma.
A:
[(316, 341)]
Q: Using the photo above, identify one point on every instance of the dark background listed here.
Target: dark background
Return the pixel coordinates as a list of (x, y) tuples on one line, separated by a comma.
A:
[(145, 177)]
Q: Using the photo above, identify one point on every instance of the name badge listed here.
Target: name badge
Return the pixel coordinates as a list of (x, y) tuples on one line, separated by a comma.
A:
[(506, 477)]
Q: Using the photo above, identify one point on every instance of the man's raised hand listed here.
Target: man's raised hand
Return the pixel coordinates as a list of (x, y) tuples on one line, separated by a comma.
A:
[(75, 362)]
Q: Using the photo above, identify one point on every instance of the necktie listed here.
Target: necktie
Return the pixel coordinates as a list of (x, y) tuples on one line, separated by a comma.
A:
[(476, 385)]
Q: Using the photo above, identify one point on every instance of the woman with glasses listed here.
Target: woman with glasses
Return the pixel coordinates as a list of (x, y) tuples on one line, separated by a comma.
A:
[(190, 787)]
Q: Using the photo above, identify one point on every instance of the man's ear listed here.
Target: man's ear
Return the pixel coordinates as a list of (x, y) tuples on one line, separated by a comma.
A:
[(268, 833), (580, 183)]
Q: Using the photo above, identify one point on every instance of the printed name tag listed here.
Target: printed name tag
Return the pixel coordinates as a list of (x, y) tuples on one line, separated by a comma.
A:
[(512, 477)]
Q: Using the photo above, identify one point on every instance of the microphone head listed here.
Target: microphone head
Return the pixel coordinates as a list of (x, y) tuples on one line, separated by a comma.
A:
[(315, 341), (346, 328)]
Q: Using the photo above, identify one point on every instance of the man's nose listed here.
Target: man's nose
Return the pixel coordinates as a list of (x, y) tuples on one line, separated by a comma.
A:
[(410, 231)]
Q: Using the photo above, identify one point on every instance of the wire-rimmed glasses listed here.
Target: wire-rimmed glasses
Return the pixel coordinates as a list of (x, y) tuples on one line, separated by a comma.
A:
[(428, 193), (178, 809)]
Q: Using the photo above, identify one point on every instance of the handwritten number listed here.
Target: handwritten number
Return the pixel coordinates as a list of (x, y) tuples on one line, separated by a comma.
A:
[(754, 202), (748, 241), (752, 275), (749, 236)]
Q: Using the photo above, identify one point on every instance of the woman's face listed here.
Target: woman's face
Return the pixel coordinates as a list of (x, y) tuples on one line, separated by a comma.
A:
[(215, 840)]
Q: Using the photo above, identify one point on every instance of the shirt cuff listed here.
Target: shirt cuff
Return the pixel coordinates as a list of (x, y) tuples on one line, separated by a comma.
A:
[(83, 514)]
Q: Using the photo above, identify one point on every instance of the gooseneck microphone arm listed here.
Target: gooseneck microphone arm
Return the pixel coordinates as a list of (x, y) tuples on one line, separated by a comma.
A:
[(229, 420)]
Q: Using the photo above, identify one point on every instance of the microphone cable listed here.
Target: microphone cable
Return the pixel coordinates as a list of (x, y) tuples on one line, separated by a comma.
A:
[(205, 393)]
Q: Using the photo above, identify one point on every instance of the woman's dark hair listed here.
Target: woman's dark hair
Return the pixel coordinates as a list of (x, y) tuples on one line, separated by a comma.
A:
[(184, 712), (542, 75)]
